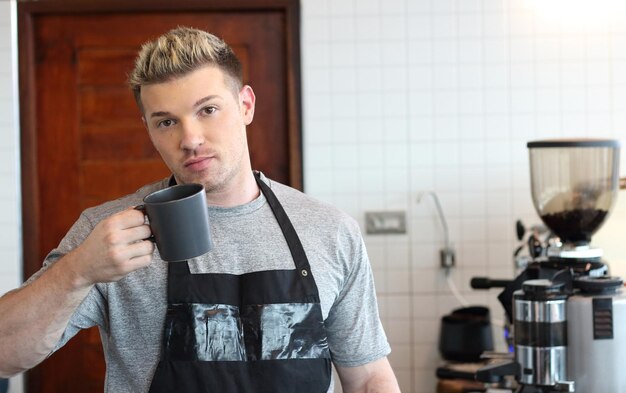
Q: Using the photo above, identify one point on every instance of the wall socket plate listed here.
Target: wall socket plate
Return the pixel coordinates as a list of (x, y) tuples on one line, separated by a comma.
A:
[(388, 222)]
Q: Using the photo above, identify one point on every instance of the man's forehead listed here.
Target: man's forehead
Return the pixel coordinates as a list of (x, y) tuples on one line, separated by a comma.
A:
[(191, 89), (187, 89)]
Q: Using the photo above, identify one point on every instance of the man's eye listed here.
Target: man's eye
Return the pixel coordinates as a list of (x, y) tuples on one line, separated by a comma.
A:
[(209, 110), (165, 123)]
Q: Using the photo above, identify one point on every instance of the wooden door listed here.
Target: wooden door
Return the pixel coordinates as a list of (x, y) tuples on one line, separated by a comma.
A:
[(83, 140)]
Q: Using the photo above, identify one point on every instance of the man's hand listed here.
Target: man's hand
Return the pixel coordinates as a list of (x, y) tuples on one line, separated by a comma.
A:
[(115, 247), (35, 316)]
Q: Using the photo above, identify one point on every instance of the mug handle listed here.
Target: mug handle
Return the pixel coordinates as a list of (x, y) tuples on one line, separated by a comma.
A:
[(142, 208)]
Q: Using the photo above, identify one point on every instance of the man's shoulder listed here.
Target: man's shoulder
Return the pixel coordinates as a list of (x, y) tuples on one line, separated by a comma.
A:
[(99, 212), (302, 206)]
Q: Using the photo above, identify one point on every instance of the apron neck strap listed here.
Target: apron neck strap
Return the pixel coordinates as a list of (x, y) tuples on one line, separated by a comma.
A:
[(293, 241)]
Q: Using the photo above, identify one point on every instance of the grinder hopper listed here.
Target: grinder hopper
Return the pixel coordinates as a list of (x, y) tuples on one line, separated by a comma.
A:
[(574, 185)]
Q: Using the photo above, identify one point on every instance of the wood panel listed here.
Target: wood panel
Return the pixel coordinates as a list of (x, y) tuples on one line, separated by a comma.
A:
[(113, 142), (106, 105), (118, 61), (101, 180)]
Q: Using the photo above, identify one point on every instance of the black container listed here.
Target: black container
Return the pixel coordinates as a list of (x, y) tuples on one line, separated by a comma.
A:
[(465, 334)]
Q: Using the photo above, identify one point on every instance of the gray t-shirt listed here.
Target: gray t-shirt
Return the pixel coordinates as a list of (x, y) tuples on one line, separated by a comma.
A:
[(247, 238)]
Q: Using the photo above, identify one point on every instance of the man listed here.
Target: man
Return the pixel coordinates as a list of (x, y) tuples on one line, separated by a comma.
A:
[(286, 290)]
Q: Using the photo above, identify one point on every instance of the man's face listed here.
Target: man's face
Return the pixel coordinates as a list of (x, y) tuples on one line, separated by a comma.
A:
[(198, 124)]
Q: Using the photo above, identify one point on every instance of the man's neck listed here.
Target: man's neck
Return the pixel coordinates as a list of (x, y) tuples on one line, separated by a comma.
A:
[(238, 192)]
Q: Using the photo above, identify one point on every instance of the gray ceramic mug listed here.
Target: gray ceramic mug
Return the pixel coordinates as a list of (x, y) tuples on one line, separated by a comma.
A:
[(179, 220)]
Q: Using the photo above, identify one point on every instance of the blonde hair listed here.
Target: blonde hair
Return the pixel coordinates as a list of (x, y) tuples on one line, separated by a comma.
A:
[(178, 52)]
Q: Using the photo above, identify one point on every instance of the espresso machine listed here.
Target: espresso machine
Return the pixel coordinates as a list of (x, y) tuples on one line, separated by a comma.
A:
[(568, 315)]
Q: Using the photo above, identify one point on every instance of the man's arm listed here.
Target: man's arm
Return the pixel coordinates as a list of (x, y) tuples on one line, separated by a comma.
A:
[(374, 377), (34, 317)]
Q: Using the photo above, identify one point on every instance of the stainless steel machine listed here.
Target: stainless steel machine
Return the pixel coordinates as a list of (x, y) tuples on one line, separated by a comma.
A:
[(568, 315)]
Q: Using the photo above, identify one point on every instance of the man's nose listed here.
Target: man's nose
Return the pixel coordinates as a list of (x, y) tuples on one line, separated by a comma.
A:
[(192, 136)]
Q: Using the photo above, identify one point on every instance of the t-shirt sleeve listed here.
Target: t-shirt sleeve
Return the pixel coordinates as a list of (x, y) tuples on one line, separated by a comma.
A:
[(355, 333), (92, 311)]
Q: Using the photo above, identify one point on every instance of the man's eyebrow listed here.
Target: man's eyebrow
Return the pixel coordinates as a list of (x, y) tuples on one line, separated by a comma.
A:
[(159, 114), (199, 102), (205, 99)]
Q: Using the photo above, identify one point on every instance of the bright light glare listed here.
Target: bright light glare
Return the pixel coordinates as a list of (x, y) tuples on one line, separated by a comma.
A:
[(577, 12)]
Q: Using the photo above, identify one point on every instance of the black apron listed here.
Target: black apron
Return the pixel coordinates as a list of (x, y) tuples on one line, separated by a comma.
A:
[(255, 332)]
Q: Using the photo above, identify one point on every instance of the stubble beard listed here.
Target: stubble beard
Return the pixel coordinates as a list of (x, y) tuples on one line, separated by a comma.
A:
[(220, 181)]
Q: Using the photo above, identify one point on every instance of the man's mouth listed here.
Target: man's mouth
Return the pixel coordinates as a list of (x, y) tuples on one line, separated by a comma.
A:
[(197, 163)]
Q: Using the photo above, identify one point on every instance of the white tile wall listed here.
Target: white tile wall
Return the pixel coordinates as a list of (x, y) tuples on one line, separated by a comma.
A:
[(10, 206), (406, 96)]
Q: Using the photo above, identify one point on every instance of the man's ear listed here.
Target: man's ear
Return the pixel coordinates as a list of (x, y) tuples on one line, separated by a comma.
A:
[(246, 102)]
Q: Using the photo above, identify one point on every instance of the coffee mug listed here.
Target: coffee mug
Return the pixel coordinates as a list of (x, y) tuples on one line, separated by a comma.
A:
[(179, 220)]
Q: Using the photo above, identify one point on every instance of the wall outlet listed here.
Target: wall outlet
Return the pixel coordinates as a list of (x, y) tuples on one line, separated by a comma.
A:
[(377, 223)]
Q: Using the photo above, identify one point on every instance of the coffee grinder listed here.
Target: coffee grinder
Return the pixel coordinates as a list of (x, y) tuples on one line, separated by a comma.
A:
[(568, 315), (574, 184)]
